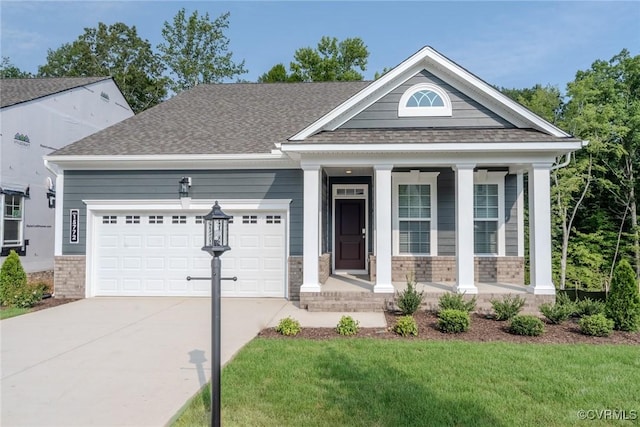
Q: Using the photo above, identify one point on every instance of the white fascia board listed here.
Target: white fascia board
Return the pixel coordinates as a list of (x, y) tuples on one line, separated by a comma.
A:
[(422, 58), (514, 147), (495, 94), (276, 160), (203, 205)]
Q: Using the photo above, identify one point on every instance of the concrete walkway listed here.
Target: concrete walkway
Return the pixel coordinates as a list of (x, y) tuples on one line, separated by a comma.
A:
[(125, 361)]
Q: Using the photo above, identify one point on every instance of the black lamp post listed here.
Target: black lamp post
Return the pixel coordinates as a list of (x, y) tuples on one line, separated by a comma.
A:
[(216, 242)]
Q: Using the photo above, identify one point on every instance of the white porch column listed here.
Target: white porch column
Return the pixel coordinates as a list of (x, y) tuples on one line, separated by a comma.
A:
[(311, 233), (465, 269), (383, 229), (540, 230)]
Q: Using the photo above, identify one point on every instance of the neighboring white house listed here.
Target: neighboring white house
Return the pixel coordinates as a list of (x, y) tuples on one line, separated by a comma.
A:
[(37, 117)]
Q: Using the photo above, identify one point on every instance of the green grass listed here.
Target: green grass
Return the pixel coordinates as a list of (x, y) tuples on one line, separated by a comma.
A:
[(8, 312), (364, 382)]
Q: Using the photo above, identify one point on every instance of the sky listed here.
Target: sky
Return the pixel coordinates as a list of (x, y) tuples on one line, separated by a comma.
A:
[(508, 44)]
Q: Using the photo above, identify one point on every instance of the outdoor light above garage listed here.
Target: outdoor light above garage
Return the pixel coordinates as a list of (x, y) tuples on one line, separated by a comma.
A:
[(185, 184)]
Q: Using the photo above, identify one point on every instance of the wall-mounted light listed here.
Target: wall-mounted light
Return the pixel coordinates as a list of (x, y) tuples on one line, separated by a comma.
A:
[(51, 198), (348, 171), (185, 183)]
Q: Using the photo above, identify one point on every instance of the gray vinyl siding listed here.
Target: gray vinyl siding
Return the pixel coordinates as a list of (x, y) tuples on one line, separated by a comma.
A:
[(511, 215), (150, 185), (447, 213), (466, 112)]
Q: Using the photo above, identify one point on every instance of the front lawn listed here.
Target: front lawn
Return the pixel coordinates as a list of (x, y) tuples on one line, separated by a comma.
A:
[(369, 382), (7, 312)]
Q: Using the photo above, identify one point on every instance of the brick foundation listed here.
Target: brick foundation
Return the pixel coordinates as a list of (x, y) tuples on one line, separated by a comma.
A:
[(41, 277), (442, 269), (296, 270), (68, 276), (295, 277)]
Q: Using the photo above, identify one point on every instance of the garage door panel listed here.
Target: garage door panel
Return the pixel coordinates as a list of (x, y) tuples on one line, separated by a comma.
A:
[(153, 254)]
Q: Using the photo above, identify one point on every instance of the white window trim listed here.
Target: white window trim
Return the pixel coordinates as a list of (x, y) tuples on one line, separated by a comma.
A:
[(486, 177), (404, 111), (365, 197), (415, 177), (20, 242)]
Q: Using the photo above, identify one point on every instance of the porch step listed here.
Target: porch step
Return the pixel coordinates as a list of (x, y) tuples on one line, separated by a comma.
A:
[(345, 301)]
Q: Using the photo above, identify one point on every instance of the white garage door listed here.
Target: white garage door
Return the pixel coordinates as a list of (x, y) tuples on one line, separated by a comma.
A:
[(151, 254)]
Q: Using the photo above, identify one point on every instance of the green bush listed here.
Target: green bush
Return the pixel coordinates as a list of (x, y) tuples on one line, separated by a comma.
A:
[(623, 302), (410, 299), (589, 307), (508, 307), (288, 326), (556, 313), (564, 300), (526, 325), (596, 325), (451, 301), (14, 291), (453, 321), (347, 326), (405, 326)]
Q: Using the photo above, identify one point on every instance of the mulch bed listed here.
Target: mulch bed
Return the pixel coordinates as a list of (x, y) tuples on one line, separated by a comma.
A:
[(52, 302), (482, 330)]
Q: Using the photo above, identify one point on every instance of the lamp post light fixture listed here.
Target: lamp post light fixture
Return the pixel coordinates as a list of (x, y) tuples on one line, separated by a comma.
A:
[(216, 242)]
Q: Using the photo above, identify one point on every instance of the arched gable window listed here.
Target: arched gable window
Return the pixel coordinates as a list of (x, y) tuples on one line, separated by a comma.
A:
[(423, 100)]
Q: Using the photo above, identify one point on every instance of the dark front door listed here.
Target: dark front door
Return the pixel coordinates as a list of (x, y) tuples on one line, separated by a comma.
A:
[(350, 237)]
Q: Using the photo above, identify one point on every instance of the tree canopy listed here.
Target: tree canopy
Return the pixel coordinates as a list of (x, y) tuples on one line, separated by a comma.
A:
[(115, 50), (10, 71), (195, 50), (330, 61)]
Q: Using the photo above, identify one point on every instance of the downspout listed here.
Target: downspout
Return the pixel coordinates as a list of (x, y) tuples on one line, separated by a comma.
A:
[(567, 159)]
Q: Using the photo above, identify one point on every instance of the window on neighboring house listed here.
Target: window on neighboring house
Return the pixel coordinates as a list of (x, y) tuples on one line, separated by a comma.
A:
[(423, 100), (414, 213), (13, 216), (486, 218)]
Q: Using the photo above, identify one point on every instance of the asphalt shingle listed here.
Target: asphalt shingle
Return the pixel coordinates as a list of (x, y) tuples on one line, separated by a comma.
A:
[(15, 91), (237, 118)]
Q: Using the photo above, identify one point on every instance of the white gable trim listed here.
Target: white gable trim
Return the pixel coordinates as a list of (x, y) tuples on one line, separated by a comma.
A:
[(358, 102)]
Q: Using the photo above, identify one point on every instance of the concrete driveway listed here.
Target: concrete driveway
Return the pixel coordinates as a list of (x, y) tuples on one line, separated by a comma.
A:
[(117, 361)]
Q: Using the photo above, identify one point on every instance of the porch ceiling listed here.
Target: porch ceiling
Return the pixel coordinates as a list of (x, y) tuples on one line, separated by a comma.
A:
[(348, 171)]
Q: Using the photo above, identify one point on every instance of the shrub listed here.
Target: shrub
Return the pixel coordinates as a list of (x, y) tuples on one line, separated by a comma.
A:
[(288, 326), (453, 321), (596, 325), (452, 301), (526, 325), (589, 307), (623, 302), (556, 313), (564, 300), (347, 326), (508, 307), (405, 326), (14, 291), (410, 299)]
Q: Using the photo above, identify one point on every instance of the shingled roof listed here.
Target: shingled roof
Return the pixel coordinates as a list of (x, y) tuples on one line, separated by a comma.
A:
[(235, 118), (429, 135), (16, 91)]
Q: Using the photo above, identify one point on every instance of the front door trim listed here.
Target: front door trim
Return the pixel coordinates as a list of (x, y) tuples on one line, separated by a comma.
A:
[(350, 192)]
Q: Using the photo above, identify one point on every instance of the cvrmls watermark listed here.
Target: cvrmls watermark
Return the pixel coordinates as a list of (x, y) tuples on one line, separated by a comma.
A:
[(608, 414)]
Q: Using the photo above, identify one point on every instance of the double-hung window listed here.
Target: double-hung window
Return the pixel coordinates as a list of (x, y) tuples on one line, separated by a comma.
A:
[(12, 220), (414, 213), (488, 213)]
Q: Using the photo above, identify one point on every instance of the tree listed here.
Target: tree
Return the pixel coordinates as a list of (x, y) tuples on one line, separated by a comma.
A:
[(115, 50), (623, 302), (545, 101), (330, 61), (197, 51), (10, 71)]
